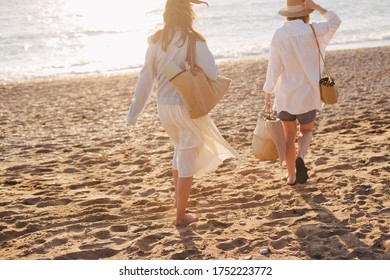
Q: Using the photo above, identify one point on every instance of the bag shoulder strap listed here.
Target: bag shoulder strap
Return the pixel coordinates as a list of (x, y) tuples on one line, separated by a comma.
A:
[(319, 53), (191, 54), (191, 51)]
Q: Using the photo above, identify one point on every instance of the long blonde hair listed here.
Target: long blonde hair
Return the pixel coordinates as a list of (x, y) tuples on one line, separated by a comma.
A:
[(178, 15)]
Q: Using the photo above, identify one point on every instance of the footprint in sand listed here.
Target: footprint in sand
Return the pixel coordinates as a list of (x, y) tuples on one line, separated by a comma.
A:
[(102, 202), (211, 225), (364, 190), (148, 242), (187, 254), (89, 254), (280, 243), (92, 150), (288, 213), (321, 161), (119, 228), (19, 168), (234, 244), (56, 242), (280, 239), (21, 224), (44, 151), (85, 184), (31, 201), (148, 192), (53, 202), (71, 170), (103, 234)]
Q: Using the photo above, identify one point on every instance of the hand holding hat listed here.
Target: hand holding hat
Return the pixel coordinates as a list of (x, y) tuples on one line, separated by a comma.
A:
[(309, 4)]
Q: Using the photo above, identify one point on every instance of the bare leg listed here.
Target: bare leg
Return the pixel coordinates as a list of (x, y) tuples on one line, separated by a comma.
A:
[(175, 179), (290, 132), (182, 195), (304, 139), (306, 134)]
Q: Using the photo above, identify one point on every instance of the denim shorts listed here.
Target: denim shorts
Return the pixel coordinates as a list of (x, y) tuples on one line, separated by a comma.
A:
[(304, 118)]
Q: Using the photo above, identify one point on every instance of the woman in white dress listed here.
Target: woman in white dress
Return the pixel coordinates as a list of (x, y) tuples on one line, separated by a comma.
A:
[(199, 148)]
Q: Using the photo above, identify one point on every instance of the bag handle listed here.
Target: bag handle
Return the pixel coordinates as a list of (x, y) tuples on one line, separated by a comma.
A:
[(191, 54), (267, 114), (320, 54)]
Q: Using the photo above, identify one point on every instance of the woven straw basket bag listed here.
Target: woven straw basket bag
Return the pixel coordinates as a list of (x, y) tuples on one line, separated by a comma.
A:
[(268, 137)]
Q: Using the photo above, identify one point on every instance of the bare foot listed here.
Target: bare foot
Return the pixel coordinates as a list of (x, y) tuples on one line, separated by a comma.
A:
[(291, 181), (187, 219)]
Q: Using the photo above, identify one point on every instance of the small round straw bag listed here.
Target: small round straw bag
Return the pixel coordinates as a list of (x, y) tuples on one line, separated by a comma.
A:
[(328, 90)]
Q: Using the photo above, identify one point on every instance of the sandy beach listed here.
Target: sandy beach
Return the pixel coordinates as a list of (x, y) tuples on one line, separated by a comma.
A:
[(77, 183)]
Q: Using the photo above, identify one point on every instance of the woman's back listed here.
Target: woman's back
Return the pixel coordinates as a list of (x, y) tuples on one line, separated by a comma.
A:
[(294, 59), (158, 59)]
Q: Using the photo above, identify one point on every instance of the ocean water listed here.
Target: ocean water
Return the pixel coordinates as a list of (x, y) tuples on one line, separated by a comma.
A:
[(50, 38)]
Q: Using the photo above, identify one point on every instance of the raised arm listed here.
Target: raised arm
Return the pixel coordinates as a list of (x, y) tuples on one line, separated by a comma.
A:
[(327, 29)]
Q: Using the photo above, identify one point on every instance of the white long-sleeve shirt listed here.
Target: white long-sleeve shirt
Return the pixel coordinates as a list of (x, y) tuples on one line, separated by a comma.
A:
[(155, 62), (293, 73)]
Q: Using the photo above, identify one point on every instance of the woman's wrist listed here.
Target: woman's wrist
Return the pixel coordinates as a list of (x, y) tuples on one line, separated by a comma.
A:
[(267, 99), (319, 9), (309, 4)]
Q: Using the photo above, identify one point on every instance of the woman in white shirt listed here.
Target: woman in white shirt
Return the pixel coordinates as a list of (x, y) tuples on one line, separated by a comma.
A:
[(198, 145), (293, 77)]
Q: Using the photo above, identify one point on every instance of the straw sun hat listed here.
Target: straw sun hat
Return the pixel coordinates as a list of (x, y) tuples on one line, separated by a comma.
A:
[(294, 8)]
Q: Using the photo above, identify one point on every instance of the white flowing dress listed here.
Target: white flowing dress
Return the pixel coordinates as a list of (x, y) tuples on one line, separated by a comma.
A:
[(199, 147)]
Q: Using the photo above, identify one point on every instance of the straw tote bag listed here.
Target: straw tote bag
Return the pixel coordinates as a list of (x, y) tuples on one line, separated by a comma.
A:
[(199, 94), (328, 90), (268, 141)]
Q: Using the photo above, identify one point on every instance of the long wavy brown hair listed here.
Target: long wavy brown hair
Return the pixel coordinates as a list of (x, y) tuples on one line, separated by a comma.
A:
[(178, 16)]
